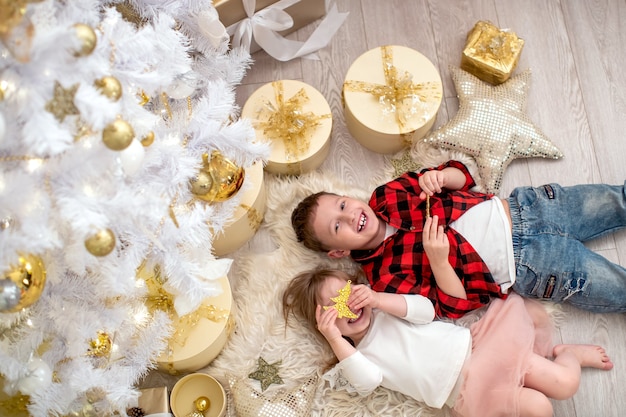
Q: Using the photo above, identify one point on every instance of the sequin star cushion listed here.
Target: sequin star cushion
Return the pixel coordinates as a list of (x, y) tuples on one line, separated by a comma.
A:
[(250, 402)]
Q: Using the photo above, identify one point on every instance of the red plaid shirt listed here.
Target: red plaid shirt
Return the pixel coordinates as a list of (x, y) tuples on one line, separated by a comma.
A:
[(400, 265)]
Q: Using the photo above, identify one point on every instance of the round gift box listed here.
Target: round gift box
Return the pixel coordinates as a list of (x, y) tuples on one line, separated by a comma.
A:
[(204, 341), (247, 216), (374, 125), (280, 161), (190, 387)]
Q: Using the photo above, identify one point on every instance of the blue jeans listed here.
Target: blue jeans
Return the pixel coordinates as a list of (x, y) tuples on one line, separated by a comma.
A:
[(550, 224)]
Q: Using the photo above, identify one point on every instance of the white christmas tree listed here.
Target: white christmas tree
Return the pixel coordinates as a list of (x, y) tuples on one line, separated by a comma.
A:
[(106, 110)]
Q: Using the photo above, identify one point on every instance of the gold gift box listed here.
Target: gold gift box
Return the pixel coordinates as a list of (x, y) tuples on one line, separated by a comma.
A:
[(302, 13), (203, 339), (247, 217), (491, 54), (391, 96), (154, 401), (296, 119)]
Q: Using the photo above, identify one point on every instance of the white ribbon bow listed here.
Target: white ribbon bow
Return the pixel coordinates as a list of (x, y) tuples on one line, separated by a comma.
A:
[(264, 26)]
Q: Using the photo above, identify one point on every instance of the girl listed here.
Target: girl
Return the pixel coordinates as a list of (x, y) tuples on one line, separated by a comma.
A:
[(496, 367)]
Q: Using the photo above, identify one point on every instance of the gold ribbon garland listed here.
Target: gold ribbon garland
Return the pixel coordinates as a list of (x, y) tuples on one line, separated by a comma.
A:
[(287, 121), (399, 95)]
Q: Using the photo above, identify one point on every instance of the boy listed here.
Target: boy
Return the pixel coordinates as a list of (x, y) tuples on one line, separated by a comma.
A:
[(531, 242)]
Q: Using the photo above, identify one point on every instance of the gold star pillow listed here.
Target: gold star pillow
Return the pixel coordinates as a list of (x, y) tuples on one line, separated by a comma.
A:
[(250, 402), (492, 126)]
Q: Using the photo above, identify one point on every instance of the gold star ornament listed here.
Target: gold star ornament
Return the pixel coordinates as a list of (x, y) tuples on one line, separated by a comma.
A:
[(62, 103), (492, 126), (266, 374), (340, 302)]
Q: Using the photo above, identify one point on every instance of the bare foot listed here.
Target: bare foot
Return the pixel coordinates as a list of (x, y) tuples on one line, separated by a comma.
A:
[(589, 356)]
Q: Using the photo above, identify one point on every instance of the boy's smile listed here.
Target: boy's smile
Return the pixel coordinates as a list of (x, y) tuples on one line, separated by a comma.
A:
[(343, 224)]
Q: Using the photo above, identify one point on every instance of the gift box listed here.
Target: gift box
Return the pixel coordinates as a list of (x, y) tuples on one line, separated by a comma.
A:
[(199, 336), (296, 118), (302, 12), (391, 96), (491, 54), (154, 401), (262, 24), (247, 217)]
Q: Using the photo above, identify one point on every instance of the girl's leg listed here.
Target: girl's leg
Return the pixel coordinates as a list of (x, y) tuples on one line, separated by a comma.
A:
[(559, 379), (533, 403)]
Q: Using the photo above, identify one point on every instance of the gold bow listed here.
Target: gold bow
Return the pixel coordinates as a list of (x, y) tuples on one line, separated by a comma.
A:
[(399, 95), (288, 122)]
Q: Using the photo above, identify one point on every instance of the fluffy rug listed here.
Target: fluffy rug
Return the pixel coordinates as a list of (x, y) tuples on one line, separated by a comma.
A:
[(258, 278)]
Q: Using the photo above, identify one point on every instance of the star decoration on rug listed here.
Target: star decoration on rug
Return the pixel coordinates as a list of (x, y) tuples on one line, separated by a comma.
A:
[(266, 374), (404, 164), (62, 103), (340, 303), (492, 126)]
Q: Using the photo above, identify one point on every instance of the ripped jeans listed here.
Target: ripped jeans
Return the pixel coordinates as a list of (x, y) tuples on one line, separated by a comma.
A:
[(550, 224)]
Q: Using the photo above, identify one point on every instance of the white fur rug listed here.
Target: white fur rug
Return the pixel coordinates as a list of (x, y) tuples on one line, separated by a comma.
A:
[(258, 278)]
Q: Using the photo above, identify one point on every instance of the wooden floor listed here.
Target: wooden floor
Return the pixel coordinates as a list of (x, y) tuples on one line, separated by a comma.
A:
[(577, 53)]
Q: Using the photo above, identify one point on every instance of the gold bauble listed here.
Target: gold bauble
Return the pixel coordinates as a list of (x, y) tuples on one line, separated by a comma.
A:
[(202, 403), (118, 135), (101, 243), (148, 139), (110, 87), (30, 277), (88, 39), (101, 346), (218, 180)]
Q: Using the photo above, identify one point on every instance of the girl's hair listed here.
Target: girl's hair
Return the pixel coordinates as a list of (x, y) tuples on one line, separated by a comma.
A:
[(302, 222), (301, 296)]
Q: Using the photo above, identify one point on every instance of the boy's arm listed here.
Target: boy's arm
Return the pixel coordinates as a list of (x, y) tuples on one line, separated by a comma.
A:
[(437, 248), (455, 176)]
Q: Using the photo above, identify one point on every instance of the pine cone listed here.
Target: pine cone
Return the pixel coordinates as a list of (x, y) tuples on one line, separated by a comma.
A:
[(135, 412)]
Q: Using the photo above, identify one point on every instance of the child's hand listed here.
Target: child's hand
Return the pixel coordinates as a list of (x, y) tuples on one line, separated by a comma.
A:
[(435, 240), (363, 296), (431, 182), (326, 323)]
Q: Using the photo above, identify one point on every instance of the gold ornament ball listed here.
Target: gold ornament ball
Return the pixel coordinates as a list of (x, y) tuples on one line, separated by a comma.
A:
[(202, 403), (30, 277), (110, 87), (101, 346), (101, 243), (118, 135), (88, 39), (218, 180), (148, 139)]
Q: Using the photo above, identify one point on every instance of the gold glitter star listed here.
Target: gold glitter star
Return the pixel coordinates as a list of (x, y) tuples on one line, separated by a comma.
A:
[(340, 302), (492, 126), (266, 374), (62, 104), (404, 164)]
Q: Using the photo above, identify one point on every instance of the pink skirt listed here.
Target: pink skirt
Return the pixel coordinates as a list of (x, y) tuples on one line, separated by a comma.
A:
[(502, 342)]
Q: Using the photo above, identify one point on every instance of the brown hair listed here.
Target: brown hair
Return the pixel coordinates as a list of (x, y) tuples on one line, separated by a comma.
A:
[(301, 296), (302, 222)]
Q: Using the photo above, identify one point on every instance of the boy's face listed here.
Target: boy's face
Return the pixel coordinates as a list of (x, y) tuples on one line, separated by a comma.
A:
[(344, 224)]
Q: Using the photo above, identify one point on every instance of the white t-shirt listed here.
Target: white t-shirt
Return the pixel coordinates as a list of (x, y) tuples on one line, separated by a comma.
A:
[(486, 227), (413, 355)]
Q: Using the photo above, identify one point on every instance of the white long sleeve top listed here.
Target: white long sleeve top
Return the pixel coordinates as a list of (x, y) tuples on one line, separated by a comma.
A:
[(413, 355)]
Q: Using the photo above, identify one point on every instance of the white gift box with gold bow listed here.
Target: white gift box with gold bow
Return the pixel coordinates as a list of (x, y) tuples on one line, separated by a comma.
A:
[(296, 118), (200, 335), (391, 96), (247, 217)]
